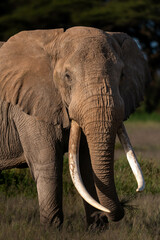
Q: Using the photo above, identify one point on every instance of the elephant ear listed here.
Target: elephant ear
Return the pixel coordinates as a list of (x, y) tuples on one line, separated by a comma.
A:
[(135, 74), (26, 74)]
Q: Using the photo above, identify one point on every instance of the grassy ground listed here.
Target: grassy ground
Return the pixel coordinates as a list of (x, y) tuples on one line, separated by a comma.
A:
[(19, 214)]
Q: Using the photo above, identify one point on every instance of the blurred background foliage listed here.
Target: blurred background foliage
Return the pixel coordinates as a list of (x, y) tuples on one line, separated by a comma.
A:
[(139, 18)]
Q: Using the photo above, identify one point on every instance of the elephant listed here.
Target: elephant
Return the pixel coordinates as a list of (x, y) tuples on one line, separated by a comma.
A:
[(70, 89)]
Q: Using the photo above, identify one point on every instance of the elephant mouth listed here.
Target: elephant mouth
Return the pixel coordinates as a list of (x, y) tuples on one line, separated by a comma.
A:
[(74, 142)]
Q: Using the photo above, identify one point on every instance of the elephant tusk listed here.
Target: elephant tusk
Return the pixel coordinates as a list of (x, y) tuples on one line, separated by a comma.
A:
[(74, 143), (124, 139)]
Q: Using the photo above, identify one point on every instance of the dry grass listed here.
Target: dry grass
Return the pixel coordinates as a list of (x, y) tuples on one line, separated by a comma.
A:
[(20, 220), (19, 215)]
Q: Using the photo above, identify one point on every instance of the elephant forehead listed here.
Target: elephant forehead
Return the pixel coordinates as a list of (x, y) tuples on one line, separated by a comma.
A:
[(91, 54), (78, 37), (83, 43), (86, 51), (87, 44)]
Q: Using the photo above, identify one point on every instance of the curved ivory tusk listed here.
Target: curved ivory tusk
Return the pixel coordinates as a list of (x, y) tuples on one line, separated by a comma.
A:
[(74, 142), (124, 139)]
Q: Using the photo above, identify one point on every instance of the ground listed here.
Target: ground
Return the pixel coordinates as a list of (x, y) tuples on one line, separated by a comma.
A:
[(19, 215)]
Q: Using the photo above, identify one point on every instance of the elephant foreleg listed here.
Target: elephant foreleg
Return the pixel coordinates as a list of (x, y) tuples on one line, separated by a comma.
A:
[(49, 188), (45, 160)]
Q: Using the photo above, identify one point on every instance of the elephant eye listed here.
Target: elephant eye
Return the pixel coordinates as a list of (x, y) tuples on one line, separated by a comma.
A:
[(121, 77), (67, 78)]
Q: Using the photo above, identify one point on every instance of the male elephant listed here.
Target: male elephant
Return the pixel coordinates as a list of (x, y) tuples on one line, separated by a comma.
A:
[(83, 79)]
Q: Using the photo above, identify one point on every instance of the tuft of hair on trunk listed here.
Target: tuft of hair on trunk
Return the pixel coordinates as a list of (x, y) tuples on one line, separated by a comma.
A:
[(127, 205)]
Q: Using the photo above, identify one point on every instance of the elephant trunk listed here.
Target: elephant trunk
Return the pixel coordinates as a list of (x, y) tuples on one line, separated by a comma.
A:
[(100, 116), (101, 146), (74, 168)]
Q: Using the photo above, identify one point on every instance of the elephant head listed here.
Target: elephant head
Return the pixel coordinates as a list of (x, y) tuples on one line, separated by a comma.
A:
[(93, 78)]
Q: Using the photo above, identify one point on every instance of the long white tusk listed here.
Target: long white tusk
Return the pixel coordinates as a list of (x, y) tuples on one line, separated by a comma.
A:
[(124, 139), (74, 142)]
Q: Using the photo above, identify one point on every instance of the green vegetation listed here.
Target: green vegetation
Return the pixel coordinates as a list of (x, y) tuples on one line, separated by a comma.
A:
[(141, 115), (125, 181), (19, 181), (144, 117)]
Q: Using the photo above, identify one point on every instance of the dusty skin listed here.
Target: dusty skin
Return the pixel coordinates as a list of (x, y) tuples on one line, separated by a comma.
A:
[(49, 78)]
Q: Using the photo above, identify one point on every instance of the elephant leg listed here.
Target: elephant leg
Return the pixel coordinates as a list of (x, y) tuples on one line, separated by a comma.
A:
[(49, 188), (45, 159), (94, 217)]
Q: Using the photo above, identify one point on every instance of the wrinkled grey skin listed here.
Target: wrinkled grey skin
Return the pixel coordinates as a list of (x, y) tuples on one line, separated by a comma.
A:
[(48, 78)]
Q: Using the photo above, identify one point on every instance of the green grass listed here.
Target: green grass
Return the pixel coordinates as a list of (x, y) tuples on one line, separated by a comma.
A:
[(126, 183), (19, 181), (141, 116)]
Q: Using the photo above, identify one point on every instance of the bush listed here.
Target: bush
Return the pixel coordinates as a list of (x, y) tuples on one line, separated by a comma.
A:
[(17, 181)]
